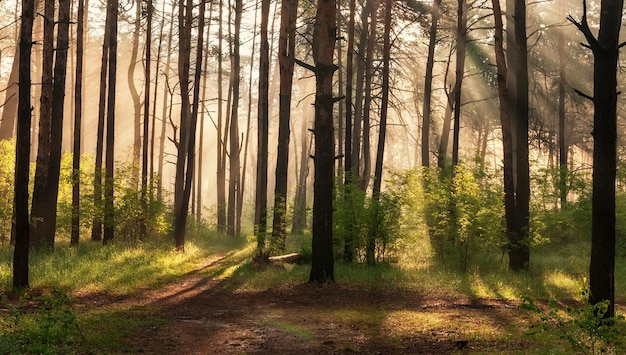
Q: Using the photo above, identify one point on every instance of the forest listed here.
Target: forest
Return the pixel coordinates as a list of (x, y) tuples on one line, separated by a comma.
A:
[(323, 177)]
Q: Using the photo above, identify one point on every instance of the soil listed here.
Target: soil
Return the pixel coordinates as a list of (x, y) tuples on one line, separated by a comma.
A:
[(208, 316)]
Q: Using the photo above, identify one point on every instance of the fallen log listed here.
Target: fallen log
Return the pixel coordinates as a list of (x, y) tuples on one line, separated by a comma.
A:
[(292, 258)]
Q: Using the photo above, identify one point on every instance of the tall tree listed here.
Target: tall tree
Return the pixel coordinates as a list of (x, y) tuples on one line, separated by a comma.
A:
[(146, 122), (324, 38), (517, 88), (78, 118), (22, 154), (382, 134), (97, 223), (260, 207), (134, 94), (40, 210), (605, 49), (428, 82), (45, 205), (109, 208), (221, 147), (348, 253), (286, 51), (234, 182), (461, 44)]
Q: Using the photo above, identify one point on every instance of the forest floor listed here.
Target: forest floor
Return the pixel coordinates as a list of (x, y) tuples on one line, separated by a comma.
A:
[(202, 314)]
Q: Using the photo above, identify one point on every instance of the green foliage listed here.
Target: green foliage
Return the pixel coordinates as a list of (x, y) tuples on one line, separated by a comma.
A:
[(464, 213), (586, 329), (7, 176), (367, 219), (41, 325)]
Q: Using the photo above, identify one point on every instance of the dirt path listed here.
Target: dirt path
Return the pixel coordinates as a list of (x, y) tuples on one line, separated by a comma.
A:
[(209, 316)]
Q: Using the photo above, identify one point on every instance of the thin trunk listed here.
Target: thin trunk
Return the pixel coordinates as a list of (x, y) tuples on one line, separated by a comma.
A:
[(134, 94), (366, 158), (260, 210), (109, 210), (146, 123), (154, 100), (563, 148), (78, 117), (428, 83), (358, 95), (461, 44), (348, 253), (235, 169), (221, 148)]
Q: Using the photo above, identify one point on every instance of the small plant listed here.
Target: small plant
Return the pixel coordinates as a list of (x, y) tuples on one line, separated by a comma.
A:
[(586, 329)]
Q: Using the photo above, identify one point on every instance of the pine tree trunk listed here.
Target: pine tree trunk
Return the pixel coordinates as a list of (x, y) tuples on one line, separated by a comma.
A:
[(428, 83), (235, 168), (146, 123)]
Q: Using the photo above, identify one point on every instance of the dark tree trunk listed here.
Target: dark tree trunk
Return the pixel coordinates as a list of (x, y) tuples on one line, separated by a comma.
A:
[(299, 213), (519, 254), (428, 83), (382, 134), (22, 156), (348, 252), (78, 118), (605, 52), (286, 50), (46, 207), (505, 121), (109, 209), (563, 146), (134, 94), (40, 210), (366, 157), (221, 147), (260, 208), (235, 168), (324, 38), (97, 223), (461, 44), (167, 110), (146, 123)]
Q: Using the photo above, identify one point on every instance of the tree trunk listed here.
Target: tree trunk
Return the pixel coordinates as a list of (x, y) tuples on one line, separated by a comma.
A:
[(235, 168), (221, 147), (134, 94), (505, 121), (461, 44), (324, 38), (40, 210), (260, 207), (299, 213), (605, 53), (428, 83), (348, 252), (109, 209), (563, 146), (146, 122), (286, 50), (22, 156), (78, 118), (366, 158), (166, 113), (382, 134), (97, 223)]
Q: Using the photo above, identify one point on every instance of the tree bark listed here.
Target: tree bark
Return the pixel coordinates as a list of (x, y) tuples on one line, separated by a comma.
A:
[(461, 44), (146, 122), (221, 147), (324, 38), (234, 182), (428, 83), (286, 51), (78, 118), (134, 94), (348, 252), (22, 156)]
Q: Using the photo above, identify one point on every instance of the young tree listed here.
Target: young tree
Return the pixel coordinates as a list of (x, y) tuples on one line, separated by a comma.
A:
[(461, 44), (22, 154), (234, 183), (221, 147), (146, 122), (605, 49), (324, 38), (286, 49)]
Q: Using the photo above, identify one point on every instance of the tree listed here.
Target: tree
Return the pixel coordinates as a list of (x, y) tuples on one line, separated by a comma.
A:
[(260, 207), (517, 87), (78, 95), (44, 211), (324, 38), (286, 50), (461, 44), (109, 210), (234, 183), (146, 122), (605, 49), (221, 147), (428, 82), (22, 154), (134, 94)]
